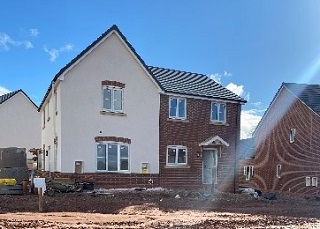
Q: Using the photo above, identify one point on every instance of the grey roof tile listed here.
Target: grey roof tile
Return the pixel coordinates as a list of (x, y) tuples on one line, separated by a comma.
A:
[(194, 84), (7, 96), (308, 93)]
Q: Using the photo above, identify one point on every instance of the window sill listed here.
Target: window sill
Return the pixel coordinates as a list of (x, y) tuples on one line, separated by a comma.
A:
[(112, 113), (177, 120), (219, 123), (177, 166), (104, 171)]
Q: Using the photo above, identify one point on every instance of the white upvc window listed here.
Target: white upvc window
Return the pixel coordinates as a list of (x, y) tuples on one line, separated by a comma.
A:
[(308, 181), (113, 99), (218, 112), (177, 155), (278, 171), (292, 135), (248, 171), (177, 108), (113, 157), (314, 181)]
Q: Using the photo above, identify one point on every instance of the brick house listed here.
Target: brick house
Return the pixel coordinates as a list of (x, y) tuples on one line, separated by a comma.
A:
[(286, 143), (15, 108), (109, 118)]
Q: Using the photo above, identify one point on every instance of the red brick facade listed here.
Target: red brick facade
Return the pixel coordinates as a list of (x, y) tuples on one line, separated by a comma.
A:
[(298, 159), (190, 133)]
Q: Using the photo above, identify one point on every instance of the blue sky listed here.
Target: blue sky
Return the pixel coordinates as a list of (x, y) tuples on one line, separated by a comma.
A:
[(251, 47)]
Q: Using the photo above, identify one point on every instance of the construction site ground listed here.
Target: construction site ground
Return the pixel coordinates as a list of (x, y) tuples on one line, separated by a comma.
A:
[(157, 208)]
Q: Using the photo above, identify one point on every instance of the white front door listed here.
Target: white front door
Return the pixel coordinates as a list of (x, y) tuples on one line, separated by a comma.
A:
[(209, 167)]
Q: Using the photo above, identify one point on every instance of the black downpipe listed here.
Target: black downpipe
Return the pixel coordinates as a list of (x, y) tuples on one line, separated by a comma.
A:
[(236, 150)]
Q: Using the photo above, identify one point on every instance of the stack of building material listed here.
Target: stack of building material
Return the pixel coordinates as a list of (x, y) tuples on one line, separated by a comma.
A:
[(13, 165)]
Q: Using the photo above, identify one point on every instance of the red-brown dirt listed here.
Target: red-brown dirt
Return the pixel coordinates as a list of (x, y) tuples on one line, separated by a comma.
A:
[(157, 209)]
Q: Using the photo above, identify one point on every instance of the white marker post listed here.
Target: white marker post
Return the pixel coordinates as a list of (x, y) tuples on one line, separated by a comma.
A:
[(40, 184)]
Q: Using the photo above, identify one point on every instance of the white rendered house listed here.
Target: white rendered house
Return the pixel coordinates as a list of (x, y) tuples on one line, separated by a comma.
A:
[(101, 113), (19, 122)]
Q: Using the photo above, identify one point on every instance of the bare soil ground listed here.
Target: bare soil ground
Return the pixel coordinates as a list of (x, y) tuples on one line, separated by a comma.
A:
[(157, 209)]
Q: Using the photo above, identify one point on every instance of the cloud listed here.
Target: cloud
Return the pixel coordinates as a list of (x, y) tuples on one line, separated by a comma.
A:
[(6, 41), (28, 44), (227, 74), (249, 120), (66, 48), (33, 32), (218, 76), (54, 53), (4, 90), (238, 90)]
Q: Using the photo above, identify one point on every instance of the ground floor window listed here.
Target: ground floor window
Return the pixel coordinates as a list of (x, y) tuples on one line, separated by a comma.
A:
[(176, 155), (113, 157), (248, 171)]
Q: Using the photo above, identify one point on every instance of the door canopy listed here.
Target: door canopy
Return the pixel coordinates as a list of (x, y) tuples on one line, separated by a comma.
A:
[(216, 140)]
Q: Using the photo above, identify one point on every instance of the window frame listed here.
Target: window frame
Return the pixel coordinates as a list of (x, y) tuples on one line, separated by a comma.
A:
[(314, 181), (292, 135), (248, 171), (177, 148), (308, 181), (113, 89), (219, 104), (118, 156), (176, 116), (278, 170)]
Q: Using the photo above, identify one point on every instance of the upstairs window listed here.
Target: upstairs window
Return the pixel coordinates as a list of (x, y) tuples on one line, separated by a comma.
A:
[(177, 155), (314, 181), (177, 108), (218, 112), (248, 171), (292, 135), (113, 99), (113, 157), (308, 181)]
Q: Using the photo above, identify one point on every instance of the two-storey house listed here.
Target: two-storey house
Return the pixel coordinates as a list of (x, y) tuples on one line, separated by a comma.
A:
[(109, 118), (286, 143)]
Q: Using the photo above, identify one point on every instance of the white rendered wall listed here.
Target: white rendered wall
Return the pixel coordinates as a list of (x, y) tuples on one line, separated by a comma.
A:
[(81, 103), (51, 130), (19, 124)]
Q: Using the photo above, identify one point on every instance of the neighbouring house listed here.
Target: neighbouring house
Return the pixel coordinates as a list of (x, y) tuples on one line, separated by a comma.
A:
[(19, 123), (109, 118), (286, 143)]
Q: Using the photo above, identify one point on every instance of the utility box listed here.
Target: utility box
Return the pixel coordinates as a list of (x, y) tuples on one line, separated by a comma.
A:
[(13, 157), (13, 164), (78, 167), (144, 167)]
